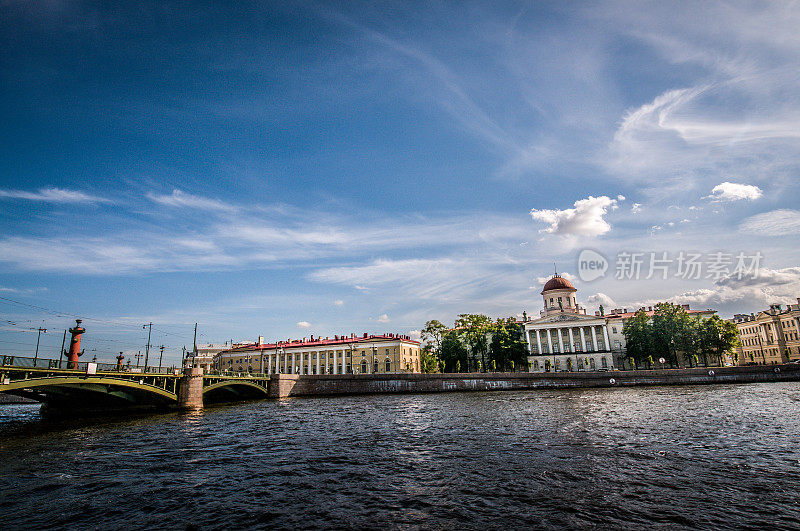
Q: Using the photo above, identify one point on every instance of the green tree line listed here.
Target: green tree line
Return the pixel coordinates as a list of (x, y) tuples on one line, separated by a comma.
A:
[(475, 343), (676, 335)]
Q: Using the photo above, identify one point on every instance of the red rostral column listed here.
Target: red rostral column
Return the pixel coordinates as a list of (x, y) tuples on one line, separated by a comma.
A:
[(75, 343)]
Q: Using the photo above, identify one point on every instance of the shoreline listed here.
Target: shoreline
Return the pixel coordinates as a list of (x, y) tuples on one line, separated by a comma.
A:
[(293, 385)]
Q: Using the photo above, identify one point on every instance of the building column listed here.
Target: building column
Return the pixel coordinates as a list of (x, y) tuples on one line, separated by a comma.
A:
[(549, 340), (583, 337), (605, 336), (527, 339), (571, 341), (318, 355), (594, 340), (560, 340), (538, 342), (261, 368), (344, 362), (269, 363)]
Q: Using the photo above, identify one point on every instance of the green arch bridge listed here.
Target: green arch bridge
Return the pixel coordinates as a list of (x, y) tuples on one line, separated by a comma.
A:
[(86, 387)]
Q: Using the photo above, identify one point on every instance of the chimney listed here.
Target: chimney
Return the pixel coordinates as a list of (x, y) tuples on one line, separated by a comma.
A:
[(260, 340), (365, 335), (625, 310)]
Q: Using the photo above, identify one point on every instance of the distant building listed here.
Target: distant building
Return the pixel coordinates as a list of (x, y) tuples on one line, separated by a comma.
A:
[(365, 354), (564, 338), (769, 337), (204, 357)]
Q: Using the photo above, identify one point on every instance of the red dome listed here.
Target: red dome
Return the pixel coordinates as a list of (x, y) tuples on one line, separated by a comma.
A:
[(558, 282)]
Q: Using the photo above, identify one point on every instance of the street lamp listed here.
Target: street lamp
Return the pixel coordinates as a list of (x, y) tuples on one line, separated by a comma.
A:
[(36, 356)]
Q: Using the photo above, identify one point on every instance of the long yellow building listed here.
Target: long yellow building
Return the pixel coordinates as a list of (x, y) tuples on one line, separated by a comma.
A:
[(365, 354)]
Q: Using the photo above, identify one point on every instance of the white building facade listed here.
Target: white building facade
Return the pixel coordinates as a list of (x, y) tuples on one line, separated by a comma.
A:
[(564, 338)]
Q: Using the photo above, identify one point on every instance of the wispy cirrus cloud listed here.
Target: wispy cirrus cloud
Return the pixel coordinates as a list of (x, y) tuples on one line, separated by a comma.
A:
[(184, 200), (54, 195), (782, 222)]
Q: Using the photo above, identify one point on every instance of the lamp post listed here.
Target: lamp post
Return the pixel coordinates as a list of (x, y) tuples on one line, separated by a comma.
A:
[(149, 327), (160, 357), (36, 356)]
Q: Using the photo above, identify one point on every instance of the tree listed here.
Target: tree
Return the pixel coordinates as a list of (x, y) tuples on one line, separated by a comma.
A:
[(507, 348), (433, 333), (473, 328), (638, 332), (669, 326), (428, 361), (453, 353)]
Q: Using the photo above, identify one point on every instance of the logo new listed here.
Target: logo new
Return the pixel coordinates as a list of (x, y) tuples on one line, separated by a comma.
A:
[(591, 265)]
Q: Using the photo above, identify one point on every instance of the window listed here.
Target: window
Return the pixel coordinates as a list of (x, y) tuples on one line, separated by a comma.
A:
[(375, 367), (603, 363), (363, 366), (613, 329), (388, 365), (536, 365)]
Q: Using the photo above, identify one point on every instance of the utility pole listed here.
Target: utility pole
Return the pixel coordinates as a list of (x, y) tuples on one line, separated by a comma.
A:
[(149, 326), (63, 342), (139, 358), (160, 357), (194, 350), (36, 356)]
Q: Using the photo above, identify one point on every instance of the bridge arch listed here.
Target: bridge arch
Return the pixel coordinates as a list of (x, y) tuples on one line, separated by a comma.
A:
[(91, 393), (231, 390)]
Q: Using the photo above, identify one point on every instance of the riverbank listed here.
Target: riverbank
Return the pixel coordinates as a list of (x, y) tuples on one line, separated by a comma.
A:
[(293, 385)]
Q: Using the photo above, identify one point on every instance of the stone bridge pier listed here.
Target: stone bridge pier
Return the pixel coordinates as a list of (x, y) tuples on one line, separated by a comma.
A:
[(190, 389)]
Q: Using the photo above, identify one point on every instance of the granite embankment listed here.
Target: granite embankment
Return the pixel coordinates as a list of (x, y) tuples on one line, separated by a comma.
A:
[(289, 385)]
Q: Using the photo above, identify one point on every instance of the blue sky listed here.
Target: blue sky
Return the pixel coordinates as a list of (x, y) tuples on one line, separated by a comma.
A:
[(325, 168)]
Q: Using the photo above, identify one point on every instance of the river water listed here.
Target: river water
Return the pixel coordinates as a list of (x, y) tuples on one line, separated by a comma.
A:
[(699, 456)]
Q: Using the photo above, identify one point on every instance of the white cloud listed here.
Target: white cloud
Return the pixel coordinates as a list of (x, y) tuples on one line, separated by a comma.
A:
[(181, 199), (781, 222), (728, 191), (54, 195), (383, 318), (732, 294), (636, 208), (415, 335), (338, 302), (586, 219), (593, 302), (304, 324)]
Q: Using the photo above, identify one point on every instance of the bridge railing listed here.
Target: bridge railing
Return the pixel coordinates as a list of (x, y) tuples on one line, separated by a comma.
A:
[(237, 374), (43, 363)]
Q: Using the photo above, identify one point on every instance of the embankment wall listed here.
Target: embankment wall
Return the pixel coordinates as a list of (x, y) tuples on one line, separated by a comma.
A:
[(289, 385)]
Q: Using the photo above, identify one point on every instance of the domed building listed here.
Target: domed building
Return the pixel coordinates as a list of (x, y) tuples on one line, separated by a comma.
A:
[(564, 338)]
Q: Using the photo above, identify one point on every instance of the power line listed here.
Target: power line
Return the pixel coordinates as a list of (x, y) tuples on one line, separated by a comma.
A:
[(68, 314)]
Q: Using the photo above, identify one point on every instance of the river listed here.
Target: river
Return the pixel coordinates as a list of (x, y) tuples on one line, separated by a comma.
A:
[(722, 456)]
